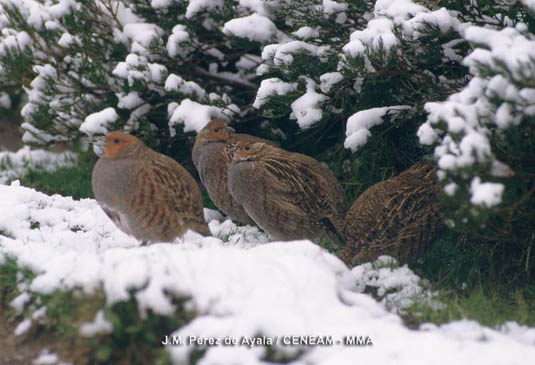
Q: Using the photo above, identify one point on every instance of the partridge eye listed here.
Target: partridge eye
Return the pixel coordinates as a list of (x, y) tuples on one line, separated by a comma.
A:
[(116, 140), (217, 130), (247, 148)]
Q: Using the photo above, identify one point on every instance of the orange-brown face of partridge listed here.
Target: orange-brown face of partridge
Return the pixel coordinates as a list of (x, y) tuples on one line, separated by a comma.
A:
[(215, 131), (119, 144), (246, 150)]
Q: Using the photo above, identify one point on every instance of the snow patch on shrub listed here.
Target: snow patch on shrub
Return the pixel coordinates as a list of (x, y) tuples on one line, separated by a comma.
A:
[(359, 124), (193, 115), (307, 108), (97, 123), (486, 194), (254, 27), (272, 86)]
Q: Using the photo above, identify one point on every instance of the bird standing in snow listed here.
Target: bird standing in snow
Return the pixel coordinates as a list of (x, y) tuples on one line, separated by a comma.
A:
[(211, 157), (147, 195), (289, 195), (398, 217)]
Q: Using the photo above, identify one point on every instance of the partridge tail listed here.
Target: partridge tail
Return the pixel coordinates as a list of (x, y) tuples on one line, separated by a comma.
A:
[(333, 231)]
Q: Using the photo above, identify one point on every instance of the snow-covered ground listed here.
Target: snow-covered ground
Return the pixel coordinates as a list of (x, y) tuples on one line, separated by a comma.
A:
[(241, 286)]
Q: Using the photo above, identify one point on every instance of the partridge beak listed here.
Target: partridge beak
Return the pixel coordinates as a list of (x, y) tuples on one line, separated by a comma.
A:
[(233, 149)]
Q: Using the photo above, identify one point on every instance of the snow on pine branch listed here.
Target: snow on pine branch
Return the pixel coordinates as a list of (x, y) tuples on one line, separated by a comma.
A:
[(125, 65), (254, 27), (499, 97), (359, 124), (307, 108), (389, 25), (194, 116), (272, 86)]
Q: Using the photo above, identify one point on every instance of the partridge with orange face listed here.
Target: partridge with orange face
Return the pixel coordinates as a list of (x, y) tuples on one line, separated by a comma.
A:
[(398, 217), (289, 195), (211, 158), (147, 195)]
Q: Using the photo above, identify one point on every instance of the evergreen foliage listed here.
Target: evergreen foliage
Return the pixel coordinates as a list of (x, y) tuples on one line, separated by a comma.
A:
[(370, 87)]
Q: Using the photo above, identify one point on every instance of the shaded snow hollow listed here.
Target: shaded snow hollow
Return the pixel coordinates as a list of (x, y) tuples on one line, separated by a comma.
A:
[(239, 285)]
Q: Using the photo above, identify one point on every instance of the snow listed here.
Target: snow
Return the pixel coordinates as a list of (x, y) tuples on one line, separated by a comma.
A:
[(248, 62), (398, 288), (19, 40), (442, 18), (66, 40), (99, 325), (398, 9), (359, 124), (175, 44), (196, 6), (508, 46), (240, 288), (129, 101), (426, 134), (136, 67), (307, 108), (190, 88), (142, 33), (270, 87), (193, 115), (18, 302), (258, 6), (378, 33), (17, 164), (158, 4), (39, 313), (529, 4), (97, 123), (450, 189), (46, 358), (485, 194), (332, 7), (23, 327), (5, 101), (306, 33), (490, 103), (281, 54), (328, 80), (254, 27)]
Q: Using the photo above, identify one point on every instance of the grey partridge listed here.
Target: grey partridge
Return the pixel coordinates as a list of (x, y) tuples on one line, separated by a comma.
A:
[(398, 217), (289, 195), (211, 158), (147, 195)]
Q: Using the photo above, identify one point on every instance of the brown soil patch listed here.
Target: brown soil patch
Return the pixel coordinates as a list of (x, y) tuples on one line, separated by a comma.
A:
[(10, 134)]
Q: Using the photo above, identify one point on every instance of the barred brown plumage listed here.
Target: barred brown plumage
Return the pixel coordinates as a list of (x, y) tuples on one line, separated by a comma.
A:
[(211, 158), (289, 195), (147, 195), (398, 217)]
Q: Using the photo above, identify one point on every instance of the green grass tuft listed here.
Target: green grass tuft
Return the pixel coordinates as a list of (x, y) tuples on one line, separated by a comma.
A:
[(67, 181), (480, 284), (488, 308), (8, 281)]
